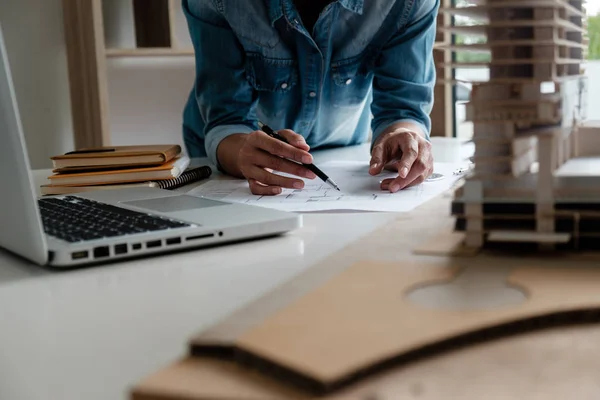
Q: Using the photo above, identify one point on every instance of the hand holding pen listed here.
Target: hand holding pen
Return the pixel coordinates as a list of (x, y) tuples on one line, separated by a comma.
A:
[(309, 166), (260, 154)]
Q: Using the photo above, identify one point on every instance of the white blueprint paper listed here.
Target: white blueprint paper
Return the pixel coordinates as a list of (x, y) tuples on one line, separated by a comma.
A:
[(359, 190)]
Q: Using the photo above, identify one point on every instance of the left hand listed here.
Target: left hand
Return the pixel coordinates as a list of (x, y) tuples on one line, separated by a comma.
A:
[(404, 151)]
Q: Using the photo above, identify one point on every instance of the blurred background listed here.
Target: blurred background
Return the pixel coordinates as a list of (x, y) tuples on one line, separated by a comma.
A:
[(146, 93)]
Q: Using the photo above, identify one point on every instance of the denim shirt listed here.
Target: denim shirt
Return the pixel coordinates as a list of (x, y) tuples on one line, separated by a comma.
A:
[(366, 65)]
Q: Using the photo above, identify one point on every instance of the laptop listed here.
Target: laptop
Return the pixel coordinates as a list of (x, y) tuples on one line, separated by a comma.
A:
[(75, 230)]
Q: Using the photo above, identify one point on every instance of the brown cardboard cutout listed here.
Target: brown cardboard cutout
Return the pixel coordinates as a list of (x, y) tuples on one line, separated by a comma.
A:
[(361, 322), (446, 244), (521, 371), (555, 364)]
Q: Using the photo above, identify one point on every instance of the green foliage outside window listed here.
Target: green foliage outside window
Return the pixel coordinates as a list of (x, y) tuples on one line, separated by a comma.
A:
[(468, 56), (594, 35), (462, 56)]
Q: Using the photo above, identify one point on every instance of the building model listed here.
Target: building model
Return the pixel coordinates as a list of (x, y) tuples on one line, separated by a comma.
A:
[(529, 120)]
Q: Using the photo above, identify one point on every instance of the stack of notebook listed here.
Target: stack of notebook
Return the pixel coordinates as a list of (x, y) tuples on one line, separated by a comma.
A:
[(162, 166)]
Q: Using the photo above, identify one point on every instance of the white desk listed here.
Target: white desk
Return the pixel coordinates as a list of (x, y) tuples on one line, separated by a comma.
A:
[(92, 333)]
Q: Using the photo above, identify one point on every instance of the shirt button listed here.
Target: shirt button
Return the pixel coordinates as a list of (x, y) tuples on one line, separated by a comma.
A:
[(349, 81), (284, 85), (312, 94)]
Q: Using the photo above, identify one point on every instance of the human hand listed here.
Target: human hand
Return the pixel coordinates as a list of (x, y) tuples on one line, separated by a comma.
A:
[(260, 155), (406, 152)]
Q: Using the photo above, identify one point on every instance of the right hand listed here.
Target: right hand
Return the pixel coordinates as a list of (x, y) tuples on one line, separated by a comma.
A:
[(261, 154)]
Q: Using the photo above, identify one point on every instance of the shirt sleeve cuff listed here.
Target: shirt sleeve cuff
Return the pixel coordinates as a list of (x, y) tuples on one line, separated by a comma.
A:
[(386, 124), (217, 134)]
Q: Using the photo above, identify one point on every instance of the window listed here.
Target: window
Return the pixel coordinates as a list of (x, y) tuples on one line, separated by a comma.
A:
[(469, 68), (592, 66)]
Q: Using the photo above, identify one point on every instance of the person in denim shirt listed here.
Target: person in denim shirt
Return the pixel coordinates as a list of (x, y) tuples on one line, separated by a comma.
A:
[(323, 73)]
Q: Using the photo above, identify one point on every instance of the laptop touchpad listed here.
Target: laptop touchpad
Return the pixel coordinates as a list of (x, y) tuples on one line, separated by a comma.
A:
[(175, 203)]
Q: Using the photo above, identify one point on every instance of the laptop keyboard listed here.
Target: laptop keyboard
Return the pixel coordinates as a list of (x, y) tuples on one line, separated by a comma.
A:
[(74, 219)]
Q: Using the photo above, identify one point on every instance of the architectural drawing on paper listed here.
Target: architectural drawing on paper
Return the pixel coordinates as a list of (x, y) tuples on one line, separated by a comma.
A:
[(359, 190), (529, 120), (319, 193), (313, 192)]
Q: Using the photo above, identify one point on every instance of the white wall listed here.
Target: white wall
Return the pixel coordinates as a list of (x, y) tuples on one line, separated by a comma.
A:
[(593, 72), (147, 97), (37, 55)]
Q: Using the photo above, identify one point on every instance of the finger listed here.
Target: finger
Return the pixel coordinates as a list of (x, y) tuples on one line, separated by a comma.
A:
[(277, 147), (385, 184), (270, 179), (409, 181), (377, 161), (402, 183), (275, 163), (417, 181), (399, 183), (294, 139), (410, 152), (419, 167), (263, 190)]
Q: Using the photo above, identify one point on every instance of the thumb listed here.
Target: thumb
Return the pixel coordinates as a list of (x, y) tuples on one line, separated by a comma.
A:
[(377, 162)]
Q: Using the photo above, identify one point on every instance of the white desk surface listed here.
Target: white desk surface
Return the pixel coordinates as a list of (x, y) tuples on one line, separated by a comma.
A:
[(92, 333)]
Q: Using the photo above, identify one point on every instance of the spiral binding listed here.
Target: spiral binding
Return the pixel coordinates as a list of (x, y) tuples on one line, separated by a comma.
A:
[(189, 176)]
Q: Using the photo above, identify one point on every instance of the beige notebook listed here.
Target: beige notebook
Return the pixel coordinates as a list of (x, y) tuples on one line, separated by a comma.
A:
[(47, 190), (169, 170), (189, 176), (116, 156)]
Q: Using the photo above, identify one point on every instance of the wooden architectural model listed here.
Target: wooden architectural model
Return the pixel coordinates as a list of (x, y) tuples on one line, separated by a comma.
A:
[(528, 121)]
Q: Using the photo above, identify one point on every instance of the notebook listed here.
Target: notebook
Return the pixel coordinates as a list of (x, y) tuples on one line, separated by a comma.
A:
[(169, 170), (116, 156), (189, 176)]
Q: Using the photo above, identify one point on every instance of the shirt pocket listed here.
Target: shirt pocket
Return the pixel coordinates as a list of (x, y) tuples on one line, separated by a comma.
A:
[(271, 74), (250, 22), (352, 80)]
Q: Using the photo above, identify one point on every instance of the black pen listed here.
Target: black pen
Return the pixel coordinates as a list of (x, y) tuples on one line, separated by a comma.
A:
[(311, 167)]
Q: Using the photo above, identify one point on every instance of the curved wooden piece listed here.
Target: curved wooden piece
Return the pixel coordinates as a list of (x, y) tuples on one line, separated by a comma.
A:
[(552, 365), (360, 322)]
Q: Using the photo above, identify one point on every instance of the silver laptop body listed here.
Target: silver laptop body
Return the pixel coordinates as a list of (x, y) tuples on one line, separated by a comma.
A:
[(166, 221)]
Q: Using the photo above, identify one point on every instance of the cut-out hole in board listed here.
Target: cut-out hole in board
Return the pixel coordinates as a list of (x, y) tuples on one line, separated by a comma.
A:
[(475, 288)]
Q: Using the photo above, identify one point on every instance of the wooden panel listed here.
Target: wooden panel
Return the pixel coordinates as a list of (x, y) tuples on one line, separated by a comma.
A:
[(513, 368), (588, 140), (442, 114), (149, 52), (384, 310), (172, 9), (84, 37), (152, 23)]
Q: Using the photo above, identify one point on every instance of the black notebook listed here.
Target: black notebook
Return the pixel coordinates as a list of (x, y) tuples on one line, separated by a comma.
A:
[(189, 176)]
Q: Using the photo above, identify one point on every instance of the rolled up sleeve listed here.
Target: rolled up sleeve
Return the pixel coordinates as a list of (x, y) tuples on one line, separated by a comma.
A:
[(404, 76), (217, 134), (225, 99)]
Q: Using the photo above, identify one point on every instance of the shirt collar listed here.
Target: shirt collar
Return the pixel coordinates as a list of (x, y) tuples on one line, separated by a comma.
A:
[(276, 8), (353, 5)]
